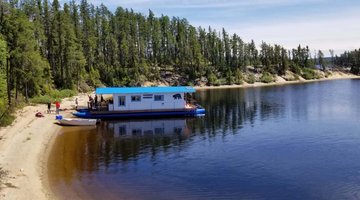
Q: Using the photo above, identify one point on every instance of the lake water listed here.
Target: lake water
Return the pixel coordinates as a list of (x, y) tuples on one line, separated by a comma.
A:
[(287, 142)]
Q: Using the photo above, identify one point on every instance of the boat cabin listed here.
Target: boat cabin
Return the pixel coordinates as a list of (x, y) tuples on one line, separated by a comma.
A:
[(143, 98)]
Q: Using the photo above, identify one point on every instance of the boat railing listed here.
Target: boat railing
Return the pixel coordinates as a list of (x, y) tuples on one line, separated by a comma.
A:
[(100, 106)]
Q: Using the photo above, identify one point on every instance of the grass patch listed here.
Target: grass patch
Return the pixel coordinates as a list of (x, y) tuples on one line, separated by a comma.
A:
[(55, 95), (43, 99), (7, 119)]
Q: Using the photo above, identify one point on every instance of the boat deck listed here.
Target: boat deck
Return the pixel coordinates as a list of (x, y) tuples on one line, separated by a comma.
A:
[(141, 111)]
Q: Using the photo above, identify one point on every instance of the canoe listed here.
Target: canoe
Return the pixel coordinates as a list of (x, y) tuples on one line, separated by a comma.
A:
[(77, 122)]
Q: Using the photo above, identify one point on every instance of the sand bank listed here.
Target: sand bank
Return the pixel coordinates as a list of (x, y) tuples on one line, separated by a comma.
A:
[(281, 81), (24, 147)]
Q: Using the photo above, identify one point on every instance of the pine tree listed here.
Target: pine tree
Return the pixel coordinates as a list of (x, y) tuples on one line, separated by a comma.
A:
[(74, 60), (321, 60), (3, 84), (195, 58), (3, 81), (26, 65), (227, 48), (284, 66)]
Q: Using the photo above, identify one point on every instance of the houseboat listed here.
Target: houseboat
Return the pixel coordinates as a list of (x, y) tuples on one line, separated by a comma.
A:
[(139, 102)]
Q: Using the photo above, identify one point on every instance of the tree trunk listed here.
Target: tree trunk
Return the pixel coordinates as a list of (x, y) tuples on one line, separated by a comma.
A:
[(26, 93), (8, 82), (16, 91), (1, 14), (78, 80)]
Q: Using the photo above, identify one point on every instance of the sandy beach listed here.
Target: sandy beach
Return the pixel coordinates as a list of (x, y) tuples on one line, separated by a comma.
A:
[(281, 81), (25, 145), (24, 148)]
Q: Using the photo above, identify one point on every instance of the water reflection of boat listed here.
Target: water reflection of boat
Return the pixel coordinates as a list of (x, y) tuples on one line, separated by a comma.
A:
[(148, 128)]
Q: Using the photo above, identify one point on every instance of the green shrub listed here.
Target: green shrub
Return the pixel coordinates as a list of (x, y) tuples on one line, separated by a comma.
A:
[(55, 95), (309, 74), (266, 78), (212, 79), (221, 81), (296, 69), (67, 93), (190, 83), (43, 99), (238, 77), (217, 83), (251, 78), (6, 118), (62, 93), (229, 78)]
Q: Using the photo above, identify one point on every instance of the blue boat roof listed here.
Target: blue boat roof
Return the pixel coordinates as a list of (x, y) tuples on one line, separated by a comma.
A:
[(137, 90)]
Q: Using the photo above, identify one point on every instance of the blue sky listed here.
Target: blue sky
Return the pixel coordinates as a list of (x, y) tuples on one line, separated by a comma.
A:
[(320, 24)]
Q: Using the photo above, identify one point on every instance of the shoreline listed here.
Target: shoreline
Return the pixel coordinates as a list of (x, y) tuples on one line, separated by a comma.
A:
[(335, 76), (25, 146)]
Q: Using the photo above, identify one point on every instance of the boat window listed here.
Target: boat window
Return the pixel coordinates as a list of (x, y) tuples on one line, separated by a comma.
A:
[(136, 132), (135, 98), (148, 132), (159, 131), (121, 100), (147, 96), (177, 130), (159, 97), (122, 130)]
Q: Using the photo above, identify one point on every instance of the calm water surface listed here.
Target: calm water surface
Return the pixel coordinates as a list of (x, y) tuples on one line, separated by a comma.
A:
[(286, 142)]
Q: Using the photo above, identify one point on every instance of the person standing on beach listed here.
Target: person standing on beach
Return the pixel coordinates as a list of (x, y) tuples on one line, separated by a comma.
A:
[(57, 105), (76, 103), (90, 102), (49, 107), (96, 101)]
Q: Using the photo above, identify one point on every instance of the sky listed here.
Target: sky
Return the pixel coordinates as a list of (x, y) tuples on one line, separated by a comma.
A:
[(320, 24)]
